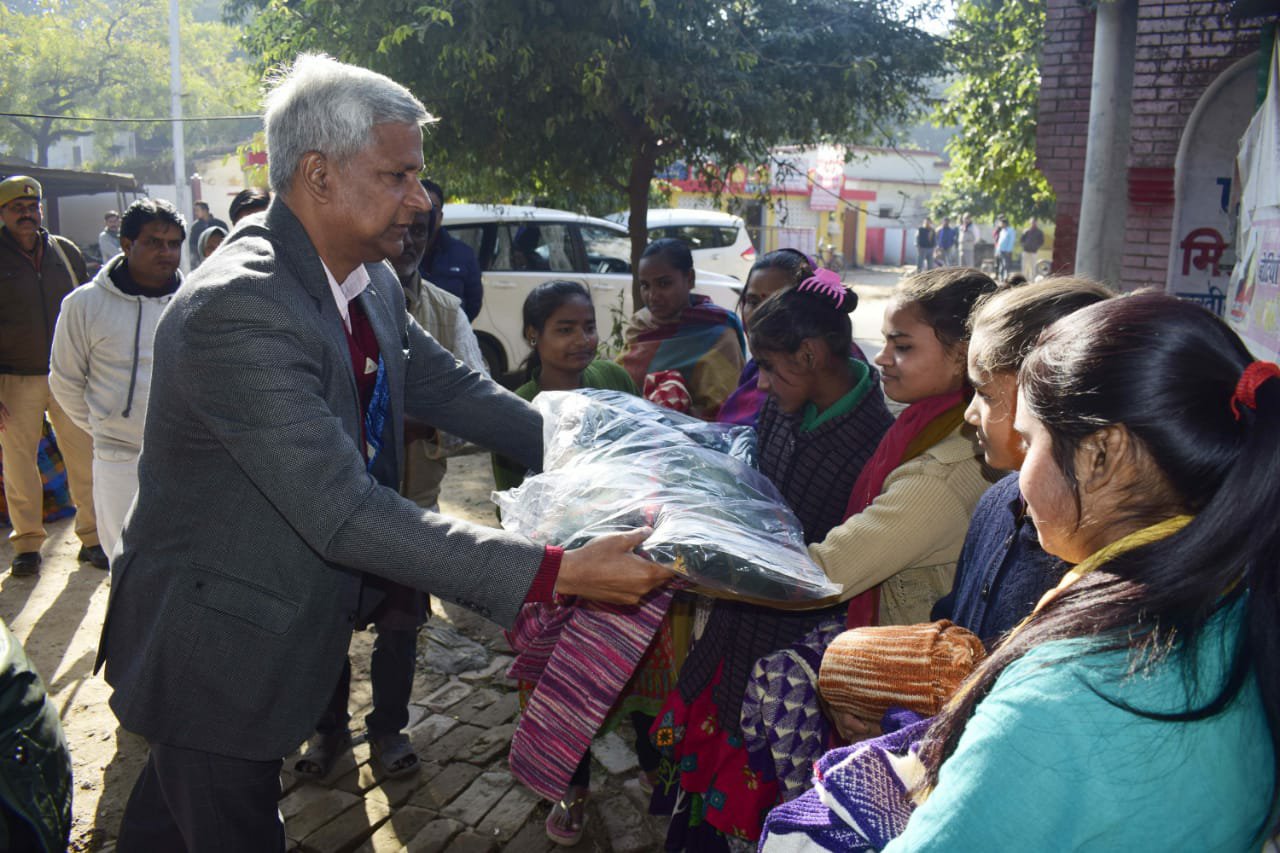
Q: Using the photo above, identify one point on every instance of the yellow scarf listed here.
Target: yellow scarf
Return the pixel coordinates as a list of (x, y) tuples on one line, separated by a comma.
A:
[(1099, 558)]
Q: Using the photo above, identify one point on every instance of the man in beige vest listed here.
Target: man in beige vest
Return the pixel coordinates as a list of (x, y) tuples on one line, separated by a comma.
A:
[(442, 315)]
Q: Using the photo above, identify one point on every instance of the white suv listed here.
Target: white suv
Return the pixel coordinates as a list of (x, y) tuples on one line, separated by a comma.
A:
[(719, 241), (521, 247)]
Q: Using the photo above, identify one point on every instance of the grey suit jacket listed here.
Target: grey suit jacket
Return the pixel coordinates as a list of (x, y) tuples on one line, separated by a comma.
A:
[(233, 602)]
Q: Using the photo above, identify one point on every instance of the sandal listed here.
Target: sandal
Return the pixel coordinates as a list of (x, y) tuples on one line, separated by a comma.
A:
[(568, 818), (321, 754), (394, 754)]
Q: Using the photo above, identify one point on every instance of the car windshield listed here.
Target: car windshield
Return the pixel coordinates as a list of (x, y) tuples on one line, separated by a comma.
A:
[(698, 236), (608, 251)]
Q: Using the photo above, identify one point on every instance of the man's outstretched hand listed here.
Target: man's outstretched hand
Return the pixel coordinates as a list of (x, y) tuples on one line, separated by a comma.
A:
[(605, 569)]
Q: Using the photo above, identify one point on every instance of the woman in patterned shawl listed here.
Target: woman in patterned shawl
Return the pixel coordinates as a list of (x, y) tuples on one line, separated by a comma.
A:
[(682, 331)]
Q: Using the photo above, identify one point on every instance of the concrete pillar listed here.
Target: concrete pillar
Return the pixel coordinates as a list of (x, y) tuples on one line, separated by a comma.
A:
[(182, 196), (1104, 202)]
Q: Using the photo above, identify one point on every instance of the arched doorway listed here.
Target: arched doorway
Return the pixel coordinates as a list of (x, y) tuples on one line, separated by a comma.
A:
[(1201, 251)]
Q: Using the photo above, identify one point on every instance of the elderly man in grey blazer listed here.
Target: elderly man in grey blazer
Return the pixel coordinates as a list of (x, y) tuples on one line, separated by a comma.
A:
[(267, 500)]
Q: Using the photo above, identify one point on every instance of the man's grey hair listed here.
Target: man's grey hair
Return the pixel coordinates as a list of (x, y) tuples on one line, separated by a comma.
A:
[(321, 104)]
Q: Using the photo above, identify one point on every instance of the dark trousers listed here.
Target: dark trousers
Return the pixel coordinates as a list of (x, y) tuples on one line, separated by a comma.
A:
[(193, 801), (391, 669), (1004, 265)]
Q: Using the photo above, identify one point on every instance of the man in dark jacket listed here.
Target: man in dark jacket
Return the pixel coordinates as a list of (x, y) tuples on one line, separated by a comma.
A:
[(204, 221), (948, 238), (1032, 243), (268, 518), (450, 264), (926, 240), (37, 269)]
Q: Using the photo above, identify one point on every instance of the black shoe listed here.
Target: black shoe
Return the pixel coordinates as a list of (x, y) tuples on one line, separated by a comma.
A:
[(95, 556), (25, 565)]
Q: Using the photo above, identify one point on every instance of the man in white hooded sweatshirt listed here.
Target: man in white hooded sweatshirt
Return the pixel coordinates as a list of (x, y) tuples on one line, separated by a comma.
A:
[(100, 367)]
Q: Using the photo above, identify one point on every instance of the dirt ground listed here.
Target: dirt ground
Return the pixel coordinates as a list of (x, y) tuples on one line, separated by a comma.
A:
[(58, 617)]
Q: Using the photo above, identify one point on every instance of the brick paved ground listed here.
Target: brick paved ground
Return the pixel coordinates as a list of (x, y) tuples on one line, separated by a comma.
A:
[(465, 798)]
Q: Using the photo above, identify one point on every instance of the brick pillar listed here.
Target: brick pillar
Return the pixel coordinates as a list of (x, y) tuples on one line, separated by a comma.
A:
[(1066, 64)]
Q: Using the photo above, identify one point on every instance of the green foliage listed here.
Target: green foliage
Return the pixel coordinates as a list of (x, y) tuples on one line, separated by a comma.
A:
[(994, 47), (111, 58), (564, 98)]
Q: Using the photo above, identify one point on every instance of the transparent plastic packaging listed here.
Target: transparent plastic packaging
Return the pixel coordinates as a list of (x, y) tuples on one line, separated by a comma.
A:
[(616, 462)]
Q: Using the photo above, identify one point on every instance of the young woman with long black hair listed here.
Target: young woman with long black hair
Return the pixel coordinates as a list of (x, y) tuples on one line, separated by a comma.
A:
[(1139, 706)]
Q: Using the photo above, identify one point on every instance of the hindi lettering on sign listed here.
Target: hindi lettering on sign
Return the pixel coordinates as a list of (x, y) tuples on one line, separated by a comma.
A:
[(1215, 300), (1202, 248), (1269, 268)]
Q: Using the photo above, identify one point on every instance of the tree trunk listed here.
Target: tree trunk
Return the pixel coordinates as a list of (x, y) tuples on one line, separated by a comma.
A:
[(44, 139), (643, 162)]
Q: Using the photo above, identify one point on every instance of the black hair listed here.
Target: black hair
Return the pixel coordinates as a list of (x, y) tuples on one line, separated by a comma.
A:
[(432, 187), (146, 210), (793, 262), (543, 301), (673, 251), (945, 298), (789, 317), (203, 204), (248, 201), (1166, 370)]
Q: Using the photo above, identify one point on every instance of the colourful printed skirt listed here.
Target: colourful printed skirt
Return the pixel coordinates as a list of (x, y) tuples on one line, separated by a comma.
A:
[(705, 780), (716, 784)]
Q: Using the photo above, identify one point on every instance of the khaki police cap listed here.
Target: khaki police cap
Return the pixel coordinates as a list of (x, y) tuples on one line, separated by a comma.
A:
[(19, 186)]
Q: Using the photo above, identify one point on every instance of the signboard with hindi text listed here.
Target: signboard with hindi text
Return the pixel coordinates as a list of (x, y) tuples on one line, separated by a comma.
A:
[(828, 178), (1254, 304), (1254, 307), (1204, 229)]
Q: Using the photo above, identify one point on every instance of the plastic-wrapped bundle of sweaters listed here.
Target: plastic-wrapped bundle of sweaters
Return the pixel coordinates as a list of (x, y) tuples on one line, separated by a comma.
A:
[(615, 462)]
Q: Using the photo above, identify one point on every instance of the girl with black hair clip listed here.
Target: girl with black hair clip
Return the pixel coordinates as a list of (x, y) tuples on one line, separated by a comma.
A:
[(823, 418), (1138, 708)]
